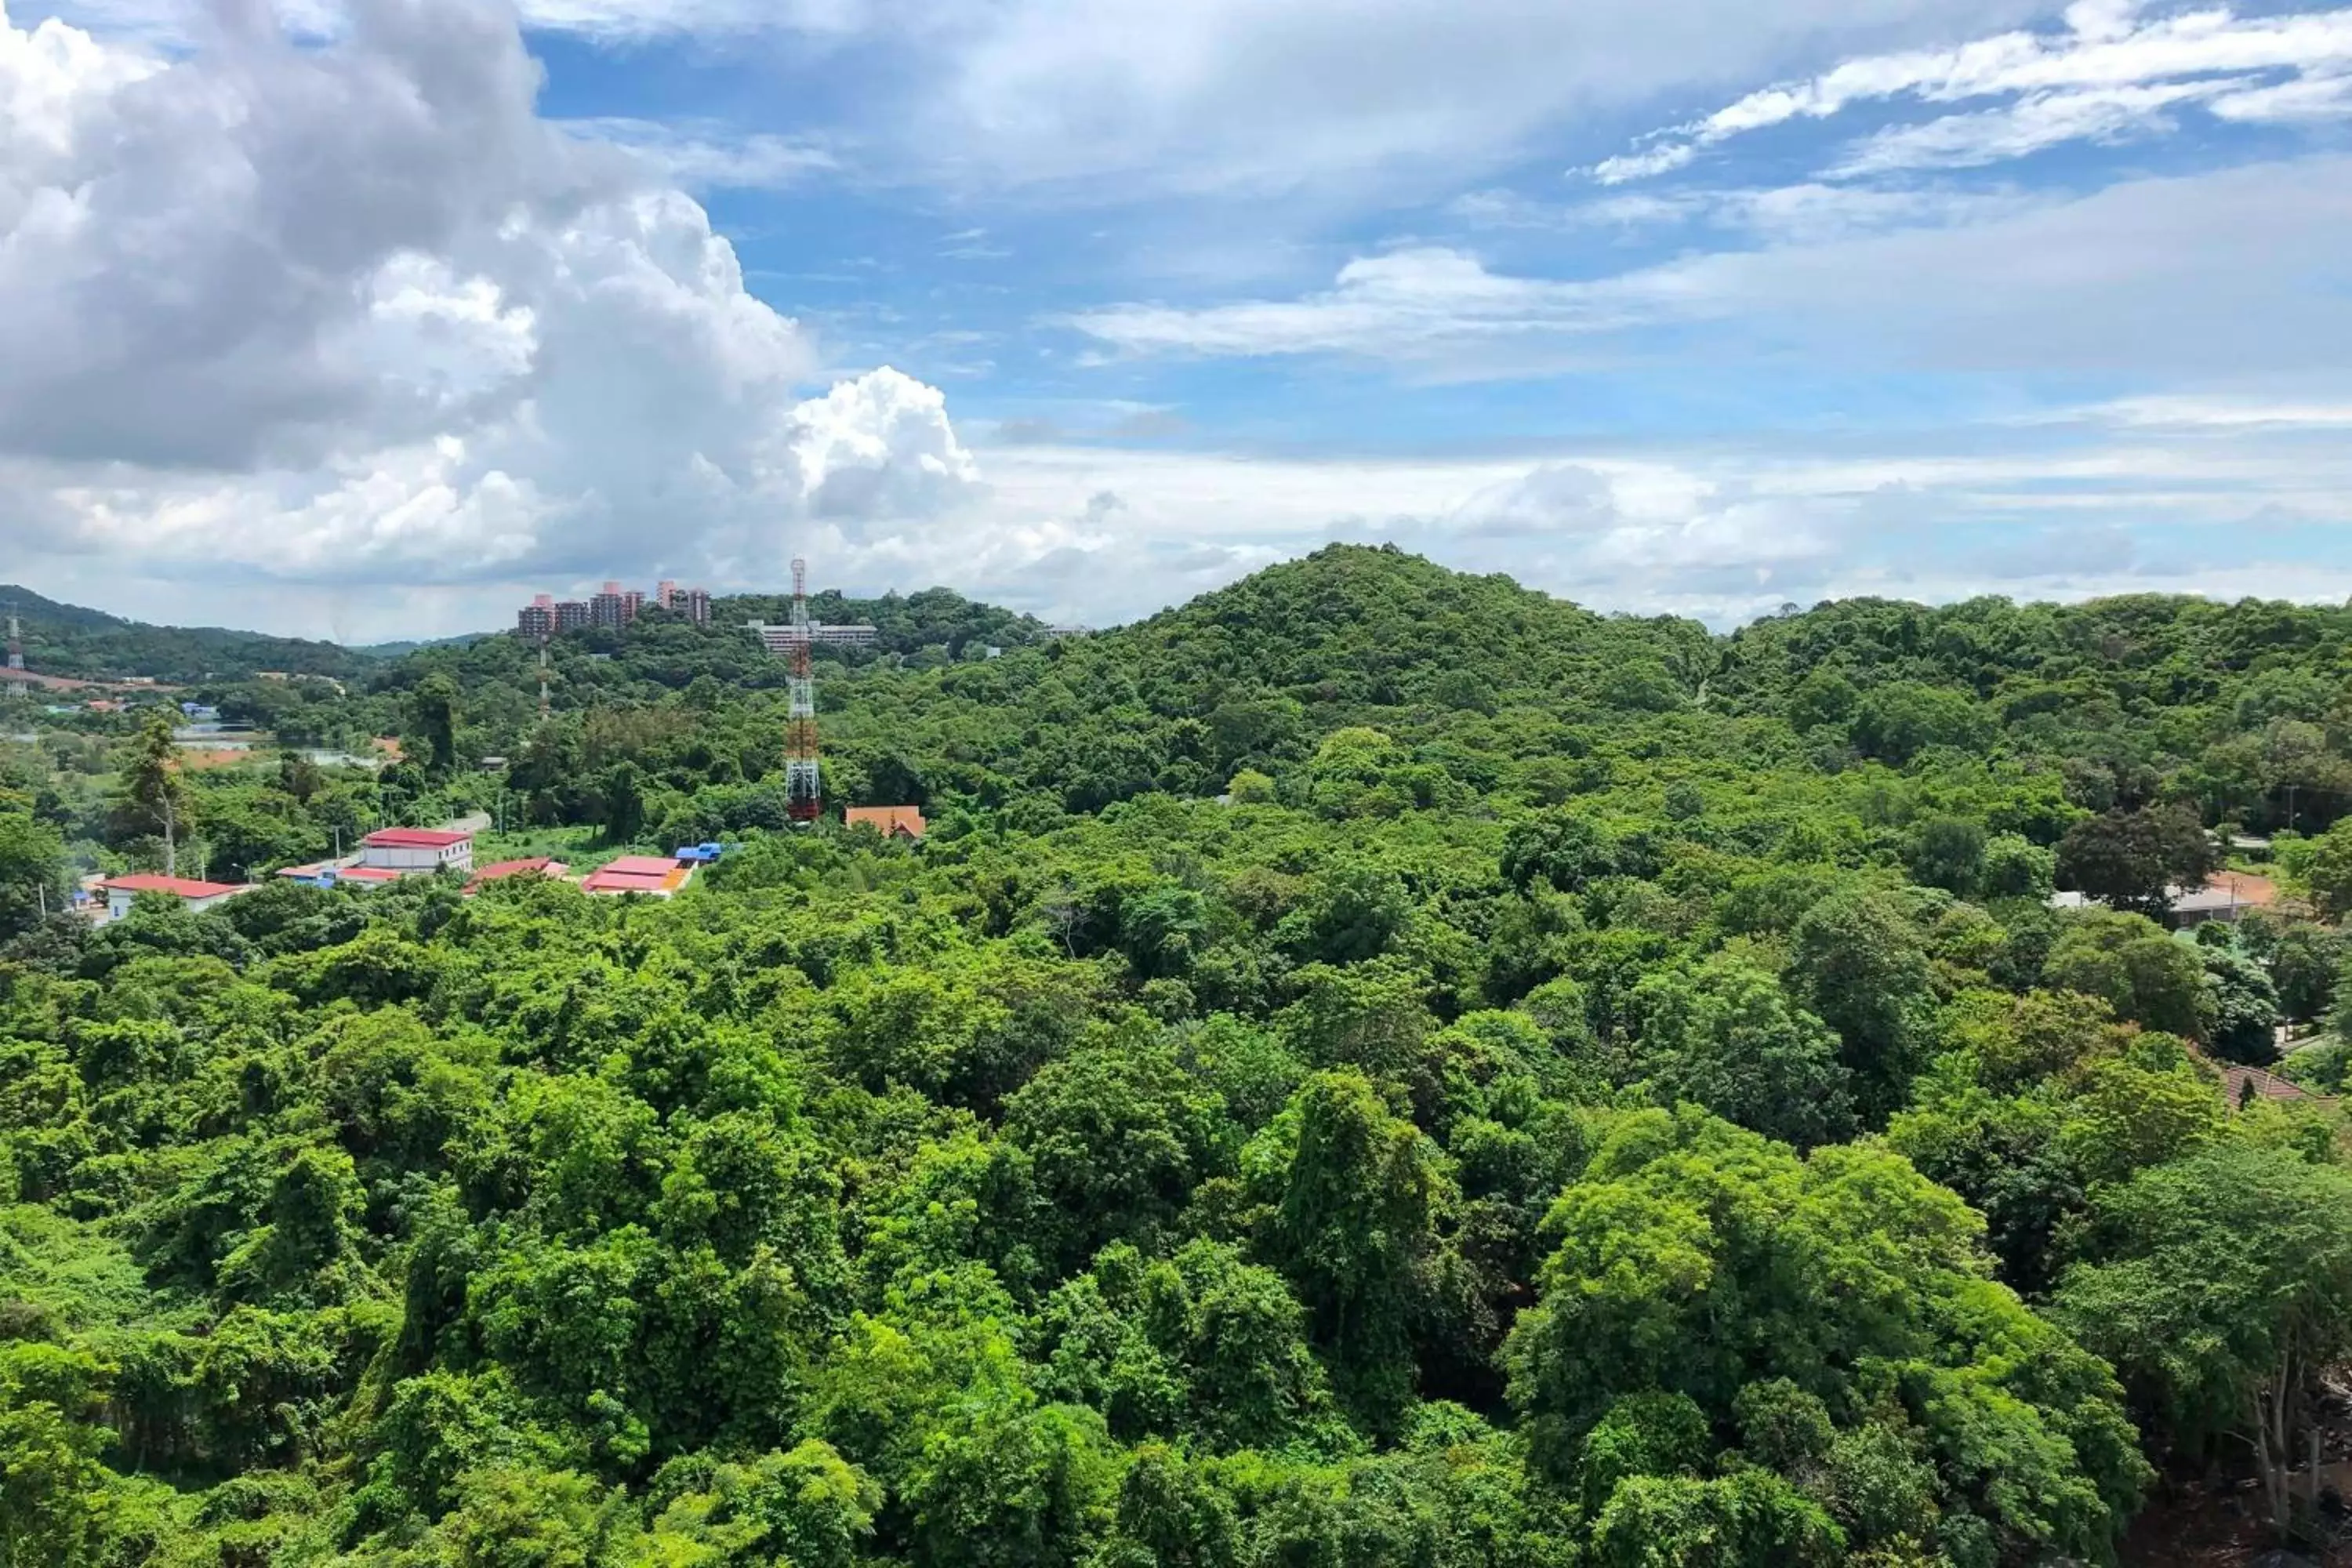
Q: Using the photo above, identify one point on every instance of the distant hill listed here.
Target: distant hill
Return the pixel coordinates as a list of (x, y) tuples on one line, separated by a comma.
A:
[(390, 650), (73, 640)]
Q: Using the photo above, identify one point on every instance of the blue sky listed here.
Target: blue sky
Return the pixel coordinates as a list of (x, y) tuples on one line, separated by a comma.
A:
[(362, 318)]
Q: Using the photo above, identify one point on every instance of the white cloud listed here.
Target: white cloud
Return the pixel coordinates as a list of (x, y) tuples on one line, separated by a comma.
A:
[(2028, 126), (1422, 304), (2147, 276), (1660, 160), (351, 310), (2307, 98), (2208, 412), (878, 447), (705, 156), (2110, 72)]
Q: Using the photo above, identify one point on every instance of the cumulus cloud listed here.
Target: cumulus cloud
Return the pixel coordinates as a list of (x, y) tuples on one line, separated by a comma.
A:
[(327, 310), (2110, 72)]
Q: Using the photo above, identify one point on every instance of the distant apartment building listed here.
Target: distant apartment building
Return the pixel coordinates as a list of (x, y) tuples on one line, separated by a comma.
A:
[(614, 608), (536, 621), (611, 608), (694, 604)]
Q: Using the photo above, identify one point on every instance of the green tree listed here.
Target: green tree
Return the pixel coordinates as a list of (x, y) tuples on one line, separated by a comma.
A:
[(433, 720), (2131, 858), (1896, 721), (2327, 869), (1727, 1036), (2245, 1007), (1351, 1193), (1949, 852), (1250, 787), (2217, 1287), (155, 798), (2128, 963), (1119, 1133), (1858, 964), (33, 874), (1696, 1258)]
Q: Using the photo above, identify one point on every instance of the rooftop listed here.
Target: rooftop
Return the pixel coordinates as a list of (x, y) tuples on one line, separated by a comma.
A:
[(538, 865), (887, 819), (179, 887), (2226, 890), (413, 838), (653, 874)]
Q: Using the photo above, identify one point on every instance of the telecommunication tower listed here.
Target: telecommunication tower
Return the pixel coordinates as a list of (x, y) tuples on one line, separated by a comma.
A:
[(17, 685), (803, 785)]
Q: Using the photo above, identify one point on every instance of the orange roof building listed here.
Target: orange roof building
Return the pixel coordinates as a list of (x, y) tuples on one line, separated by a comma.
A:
[(654, 874), (2226, 896), (889, 821), (498, 870)]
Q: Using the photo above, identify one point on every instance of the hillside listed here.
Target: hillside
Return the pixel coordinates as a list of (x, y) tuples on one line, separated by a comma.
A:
[(69, 640), (1371, 1067)]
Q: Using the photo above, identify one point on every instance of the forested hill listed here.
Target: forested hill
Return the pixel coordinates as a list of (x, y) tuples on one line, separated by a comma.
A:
[(1380, 628), (69, 640), (1372, 1068), (2238, 709)]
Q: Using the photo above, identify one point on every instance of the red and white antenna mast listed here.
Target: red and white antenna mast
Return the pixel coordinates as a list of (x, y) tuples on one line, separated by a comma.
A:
[(803, 778)]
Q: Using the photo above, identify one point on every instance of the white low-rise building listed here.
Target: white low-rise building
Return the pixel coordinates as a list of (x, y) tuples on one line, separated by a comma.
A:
[(121, 892), (417, 851)]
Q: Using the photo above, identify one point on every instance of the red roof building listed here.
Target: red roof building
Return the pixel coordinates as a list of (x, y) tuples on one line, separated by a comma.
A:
[(417, 851), (121, 892), (889, 821), (499, 871), (654, 874), (413, 838)]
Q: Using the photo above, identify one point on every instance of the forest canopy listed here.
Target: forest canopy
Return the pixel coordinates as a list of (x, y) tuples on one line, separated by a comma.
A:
[(1372, 1066)]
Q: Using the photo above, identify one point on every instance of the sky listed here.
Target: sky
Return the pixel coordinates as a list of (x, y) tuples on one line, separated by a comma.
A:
[(368, 319)]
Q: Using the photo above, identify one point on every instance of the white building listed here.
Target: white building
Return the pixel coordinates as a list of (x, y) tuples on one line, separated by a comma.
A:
[(416, 851), (121, 892)]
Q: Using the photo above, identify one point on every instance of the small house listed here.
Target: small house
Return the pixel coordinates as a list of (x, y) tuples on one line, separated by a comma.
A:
[(2226, 896), (121, 892)]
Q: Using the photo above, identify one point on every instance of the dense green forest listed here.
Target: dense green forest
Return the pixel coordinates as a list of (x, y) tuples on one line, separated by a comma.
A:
[(89, 644), (1373, 1067)]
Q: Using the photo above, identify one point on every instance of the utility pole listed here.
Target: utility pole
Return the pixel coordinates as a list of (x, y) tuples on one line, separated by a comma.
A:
[(804, 781)]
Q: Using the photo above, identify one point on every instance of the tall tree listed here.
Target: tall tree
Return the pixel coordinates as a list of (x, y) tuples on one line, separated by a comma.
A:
[(2218, 1290), (432, 712), (155, 796), (1352, 1191), (32, 873), (2131, 858)]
